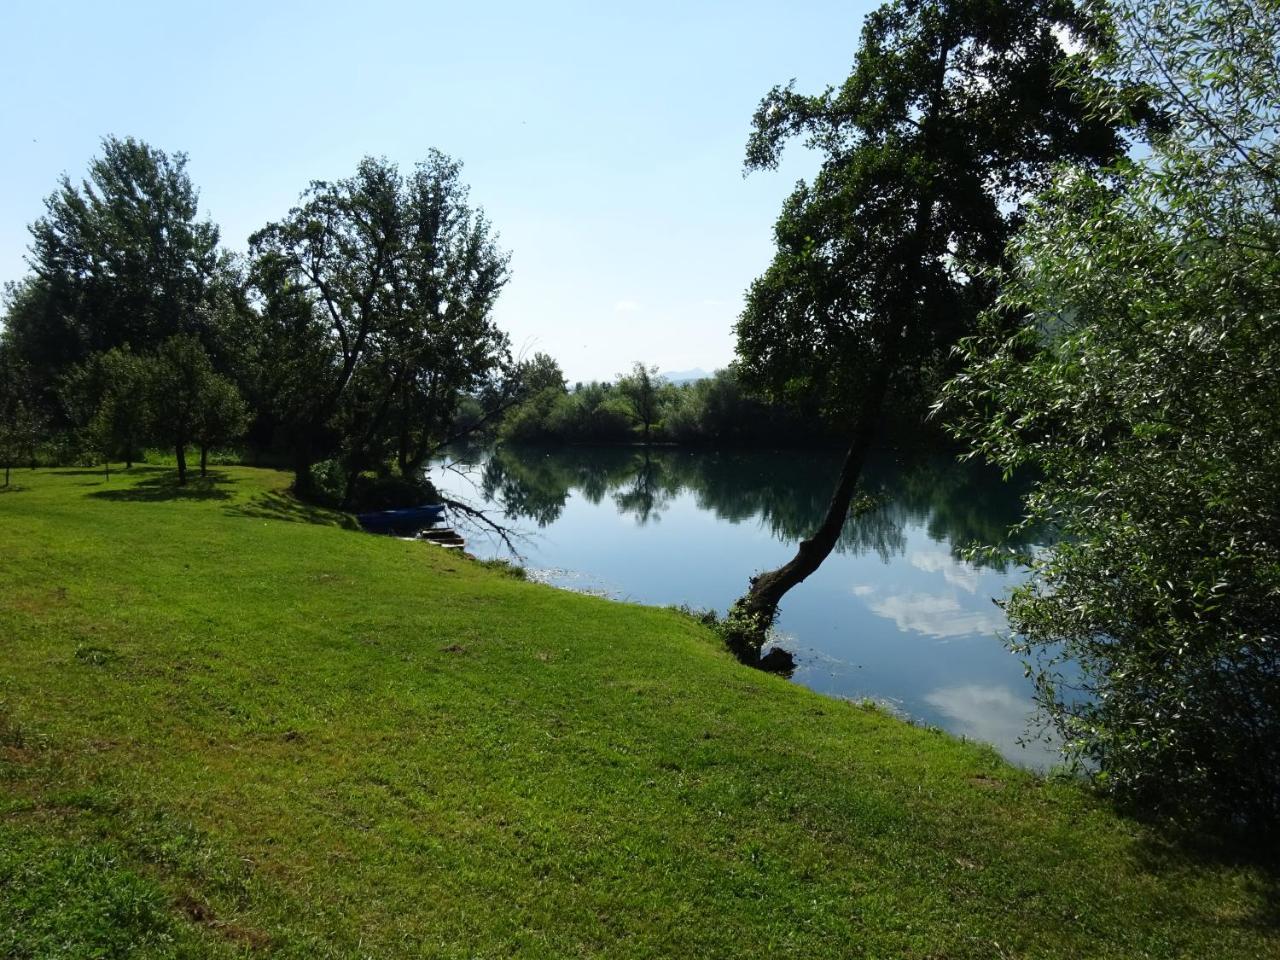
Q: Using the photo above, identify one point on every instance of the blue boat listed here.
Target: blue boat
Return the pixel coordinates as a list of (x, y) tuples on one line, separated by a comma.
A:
[(406, 519)]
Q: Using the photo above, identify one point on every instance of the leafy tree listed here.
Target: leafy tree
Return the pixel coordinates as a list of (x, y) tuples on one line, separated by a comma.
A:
[(222, 418), (541, 372), (643, 390), (951, 116), (122, 413), (1141, 381), (384, 286), (120, 259), (189, 401)]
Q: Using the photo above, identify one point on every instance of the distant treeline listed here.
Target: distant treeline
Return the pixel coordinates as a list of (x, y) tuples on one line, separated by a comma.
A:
[(641, 406)]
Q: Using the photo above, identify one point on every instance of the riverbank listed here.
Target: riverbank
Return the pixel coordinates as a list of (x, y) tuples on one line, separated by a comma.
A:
[(229, 725)]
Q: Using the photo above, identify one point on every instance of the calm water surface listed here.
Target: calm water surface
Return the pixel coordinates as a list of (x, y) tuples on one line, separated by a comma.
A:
[(895, 615)]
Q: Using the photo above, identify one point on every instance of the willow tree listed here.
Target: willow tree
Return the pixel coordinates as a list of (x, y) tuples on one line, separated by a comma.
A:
[(1140, 382), (953, 116)]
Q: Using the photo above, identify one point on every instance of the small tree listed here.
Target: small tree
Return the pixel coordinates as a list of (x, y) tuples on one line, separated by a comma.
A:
[(642, 388), (188, 400), (540, 372), (121, 421), (20, 421), (19, 428), (222, 417)]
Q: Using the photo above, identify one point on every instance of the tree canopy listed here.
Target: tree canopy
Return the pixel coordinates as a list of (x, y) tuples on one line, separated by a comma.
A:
[(120, 259), (379, 289)]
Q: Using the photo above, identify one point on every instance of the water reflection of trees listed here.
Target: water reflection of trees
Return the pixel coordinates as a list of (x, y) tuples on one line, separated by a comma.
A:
[(787, 491)]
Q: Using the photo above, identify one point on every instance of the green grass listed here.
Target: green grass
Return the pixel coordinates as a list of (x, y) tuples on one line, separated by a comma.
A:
[(229, 726)]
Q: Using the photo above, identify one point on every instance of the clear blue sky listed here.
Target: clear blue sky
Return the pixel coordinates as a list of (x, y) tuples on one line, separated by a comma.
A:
[(605, 144)]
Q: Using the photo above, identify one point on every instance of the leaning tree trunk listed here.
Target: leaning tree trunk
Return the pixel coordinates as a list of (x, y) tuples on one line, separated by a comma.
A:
[(181, 450), (753, 614)]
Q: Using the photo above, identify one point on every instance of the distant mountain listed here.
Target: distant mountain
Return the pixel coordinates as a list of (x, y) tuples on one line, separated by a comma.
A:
[(685, 376)]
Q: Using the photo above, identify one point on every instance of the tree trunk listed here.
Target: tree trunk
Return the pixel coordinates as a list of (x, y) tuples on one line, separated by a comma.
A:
[(204, 460), (349, 488), (753, 614), (106, 468), (402, 448), (181, 450), (6, 473), (303, 481)]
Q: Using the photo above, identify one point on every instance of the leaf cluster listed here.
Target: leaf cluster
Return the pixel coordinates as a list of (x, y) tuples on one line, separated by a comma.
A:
[(1134, 360), (951, 117)]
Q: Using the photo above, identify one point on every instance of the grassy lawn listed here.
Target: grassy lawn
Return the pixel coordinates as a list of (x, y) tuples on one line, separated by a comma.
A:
[(231, 726)]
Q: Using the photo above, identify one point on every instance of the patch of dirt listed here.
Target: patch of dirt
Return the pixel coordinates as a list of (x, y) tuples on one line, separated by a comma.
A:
[(38, 603), (202, 913), (454, 648), (989, 783)]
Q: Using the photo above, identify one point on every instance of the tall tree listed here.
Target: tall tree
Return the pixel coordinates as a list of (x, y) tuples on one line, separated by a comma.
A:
[(951, 117), (385, 286), (1141, 381), (119, 259)]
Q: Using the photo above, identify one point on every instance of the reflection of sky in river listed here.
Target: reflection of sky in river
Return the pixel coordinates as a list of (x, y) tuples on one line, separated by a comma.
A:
[(918, 631)]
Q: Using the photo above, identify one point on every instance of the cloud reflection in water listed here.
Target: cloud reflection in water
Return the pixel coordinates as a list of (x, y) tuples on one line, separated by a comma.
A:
[(993, 714)]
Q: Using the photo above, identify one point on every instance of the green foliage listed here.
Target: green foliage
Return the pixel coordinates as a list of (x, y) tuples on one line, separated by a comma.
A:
[(591, 413), (119, 260), (950, 117), (643, 389), (505, 567), (378, 293), (21, 423), (539, 373), (222, 416), (123, 408), (382, 489), (189, 402), (1141, 380), (714, 411)]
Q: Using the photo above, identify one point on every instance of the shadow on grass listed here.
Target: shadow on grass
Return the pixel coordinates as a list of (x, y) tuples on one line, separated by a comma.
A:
[(277, 505), (11, 488), (116, 471), (165, 486), (1170, 850)]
